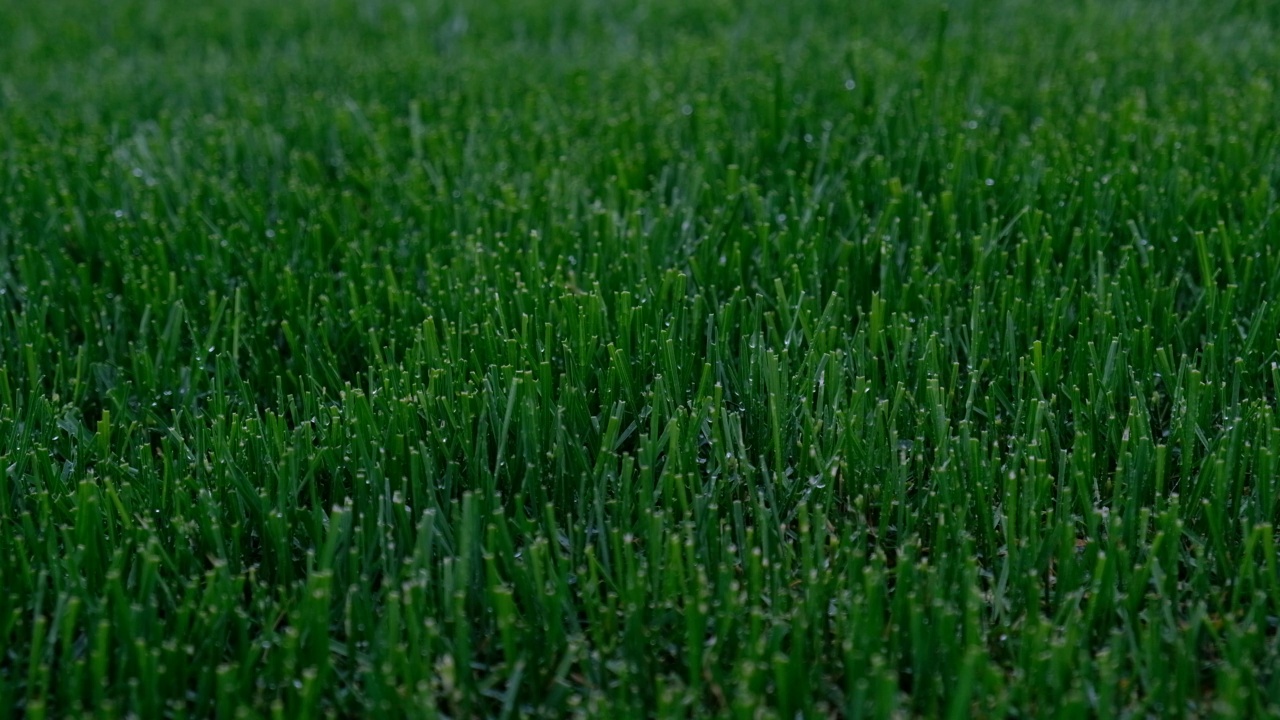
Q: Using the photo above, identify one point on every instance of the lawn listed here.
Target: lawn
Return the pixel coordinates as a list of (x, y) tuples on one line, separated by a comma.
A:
[(639, 358)]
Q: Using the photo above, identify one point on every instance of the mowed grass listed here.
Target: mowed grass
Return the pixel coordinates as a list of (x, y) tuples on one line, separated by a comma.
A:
[(662, 358)]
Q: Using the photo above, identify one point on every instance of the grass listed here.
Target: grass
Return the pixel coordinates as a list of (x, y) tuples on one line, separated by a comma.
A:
[(632, 359)]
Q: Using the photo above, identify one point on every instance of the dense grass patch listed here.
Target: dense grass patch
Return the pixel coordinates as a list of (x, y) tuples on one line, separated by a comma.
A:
[(639, 358)]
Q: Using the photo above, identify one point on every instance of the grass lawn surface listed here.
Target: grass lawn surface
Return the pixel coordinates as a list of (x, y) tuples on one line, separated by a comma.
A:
[(639, 358)]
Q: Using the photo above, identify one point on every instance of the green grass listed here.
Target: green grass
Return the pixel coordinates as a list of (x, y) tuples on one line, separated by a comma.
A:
[(634, 358)]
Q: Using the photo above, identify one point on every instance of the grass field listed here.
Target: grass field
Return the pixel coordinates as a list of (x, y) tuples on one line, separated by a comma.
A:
[(639, 358)]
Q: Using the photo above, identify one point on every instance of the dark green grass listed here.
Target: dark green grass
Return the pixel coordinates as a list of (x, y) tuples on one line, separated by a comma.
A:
[(630, 359)]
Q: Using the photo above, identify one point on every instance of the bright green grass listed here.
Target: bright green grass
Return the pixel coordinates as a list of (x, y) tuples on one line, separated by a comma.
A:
[(639, 358)]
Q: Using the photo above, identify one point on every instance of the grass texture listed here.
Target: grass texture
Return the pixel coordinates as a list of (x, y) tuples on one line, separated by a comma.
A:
[(639, 358)]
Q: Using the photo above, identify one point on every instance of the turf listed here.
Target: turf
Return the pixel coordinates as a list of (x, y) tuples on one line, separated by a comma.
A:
[(639, 358)]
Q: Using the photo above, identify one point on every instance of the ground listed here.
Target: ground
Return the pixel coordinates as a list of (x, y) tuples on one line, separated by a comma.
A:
[(639, 358)]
